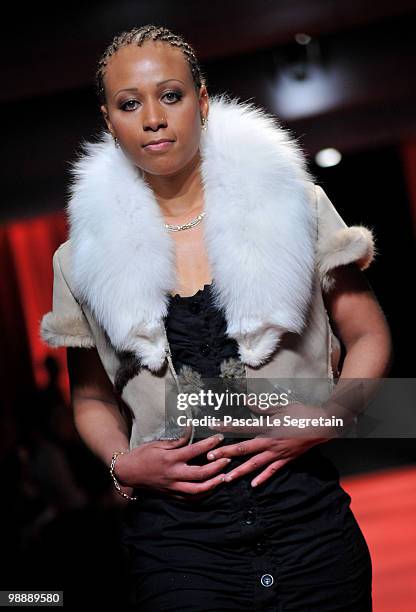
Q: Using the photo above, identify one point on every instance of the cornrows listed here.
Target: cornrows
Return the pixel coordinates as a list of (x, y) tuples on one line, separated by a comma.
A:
[(138, 36)]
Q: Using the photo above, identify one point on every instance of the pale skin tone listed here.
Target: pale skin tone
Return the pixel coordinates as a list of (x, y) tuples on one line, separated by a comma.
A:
[(154, 112)]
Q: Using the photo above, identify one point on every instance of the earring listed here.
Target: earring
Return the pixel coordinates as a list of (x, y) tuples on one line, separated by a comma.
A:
[(116, 142), (204, 123)]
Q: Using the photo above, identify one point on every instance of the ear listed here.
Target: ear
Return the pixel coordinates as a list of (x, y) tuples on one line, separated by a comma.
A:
[(203, 101), (104, 111)]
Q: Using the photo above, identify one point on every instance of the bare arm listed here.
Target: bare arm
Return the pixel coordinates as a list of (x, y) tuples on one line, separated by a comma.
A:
[(97, 415), (101, 426), (359, 322)]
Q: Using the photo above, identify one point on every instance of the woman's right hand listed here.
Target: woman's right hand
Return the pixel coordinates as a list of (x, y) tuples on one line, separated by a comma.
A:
[(162, 465)]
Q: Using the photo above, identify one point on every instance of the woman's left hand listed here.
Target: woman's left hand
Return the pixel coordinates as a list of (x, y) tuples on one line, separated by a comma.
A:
[(271, 451)]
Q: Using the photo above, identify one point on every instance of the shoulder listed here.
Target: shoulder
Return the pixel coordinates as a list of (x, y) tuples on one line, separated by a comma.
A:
[(62, 256), (65, 324), (339, 244), (64, 265)]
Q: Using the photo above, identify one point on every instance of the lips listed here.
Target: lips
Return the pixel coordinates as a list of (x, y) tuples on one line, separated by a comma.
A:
[(158, 142), (161, 145)]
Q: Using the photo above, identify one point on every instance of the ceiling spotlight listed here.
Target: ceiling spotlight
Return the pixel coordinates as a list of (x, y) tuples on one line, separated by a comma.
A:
[(325, 158), (303, 39)]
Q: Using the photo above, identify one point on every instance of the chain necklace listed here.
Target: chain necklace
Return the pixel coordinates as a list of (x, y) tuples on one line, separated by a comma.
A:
[(185, 226)]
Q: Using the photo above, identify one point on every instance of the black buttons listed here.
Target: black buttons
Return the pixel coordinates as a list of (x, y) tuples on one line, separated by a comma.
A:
[(205, 349), (250, 517), (260, 548), (267, 580)]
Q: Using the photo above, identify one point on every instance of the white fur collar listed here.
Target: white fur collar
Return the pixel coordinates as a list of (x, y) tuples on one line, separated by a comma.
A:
[(259, 228)]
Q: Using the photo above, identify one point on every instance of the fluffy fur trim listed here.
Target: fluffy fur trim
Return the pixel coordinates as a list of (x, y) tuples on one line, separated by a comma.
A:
[(259, 232), (355, 243), (54, 331)]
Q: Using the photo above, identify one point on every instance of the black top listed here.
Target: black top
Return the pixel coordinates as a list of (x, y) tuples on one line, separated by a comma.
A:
[(196, 331)]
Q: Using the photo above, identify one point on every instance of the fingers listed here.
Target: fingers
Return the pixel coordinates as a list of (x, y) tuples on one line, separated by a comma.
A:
[(251, 465), (239, 448), (193, 488), (198, 448), (202, 472), (268, 472), (191, 491)]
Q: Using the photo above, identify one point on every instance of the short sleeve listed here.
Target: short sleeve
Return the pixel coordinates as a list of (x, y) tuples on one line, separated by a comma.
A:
[(65, 324), (339, 244)]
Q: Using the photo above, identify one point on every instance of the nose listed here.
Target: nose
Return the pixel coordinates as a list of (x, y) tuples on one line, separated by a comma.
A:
[(153, 117)]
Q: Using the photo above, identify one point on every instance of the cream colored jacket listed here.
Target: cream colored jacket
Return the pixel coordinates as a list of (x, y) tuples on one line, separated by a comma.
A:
[(272, 237)]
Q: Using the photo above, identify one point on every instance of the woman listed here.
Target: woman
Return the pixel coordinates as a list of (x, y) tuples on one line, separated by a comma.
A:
[(211, 254)]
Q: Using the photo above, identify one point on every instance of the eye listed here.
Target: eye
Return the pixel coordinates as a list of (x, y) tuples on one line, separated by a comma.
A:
[(174, 96), (177, 96), (124, 105)]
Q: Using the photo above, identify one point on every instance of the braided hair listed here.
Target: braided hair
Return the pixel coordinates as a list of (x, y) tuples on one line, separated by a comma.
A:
[(138, 36)]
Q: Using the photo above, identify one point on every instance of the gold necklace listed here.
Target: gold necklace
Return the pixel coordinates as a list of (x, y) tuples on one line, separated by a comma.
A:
[(185, 226)]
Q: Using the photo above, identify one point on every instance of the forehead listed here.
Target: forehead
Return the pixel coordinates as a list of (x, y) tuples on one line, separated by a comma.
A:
[(150, 63)]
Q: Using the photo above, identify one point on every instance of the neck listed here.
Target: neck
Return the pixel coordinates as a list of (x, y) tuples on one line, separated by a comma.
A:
[(179, 194)]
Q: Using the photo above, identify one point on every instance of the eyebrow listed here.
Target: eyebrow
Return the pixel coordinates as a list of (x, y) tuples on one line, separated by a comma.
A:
[(157, 85)]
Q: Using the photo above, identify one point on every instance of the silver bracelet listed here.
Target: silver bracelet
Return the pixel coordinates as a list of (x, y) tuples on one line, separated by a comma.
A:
[(116, 483)]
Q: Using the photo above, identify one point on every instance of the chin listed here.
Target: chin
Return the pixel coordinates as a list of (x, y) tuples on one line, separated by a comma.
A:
[(166, 169)]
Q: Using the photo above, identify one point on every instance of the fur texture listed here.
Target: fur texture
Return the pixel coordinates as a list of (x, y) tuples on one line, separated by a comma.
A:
[(259, 230), (355, 243), (54, 331)]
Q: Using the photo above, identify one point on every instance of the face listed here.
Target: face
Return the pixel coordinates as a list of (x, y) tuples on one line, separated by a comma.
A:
[(150, 95)]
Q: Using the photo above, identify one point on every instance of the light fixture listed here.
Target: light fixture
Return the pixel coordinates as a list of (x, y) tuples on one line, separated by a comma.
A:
[(303, 39), (325, 158)]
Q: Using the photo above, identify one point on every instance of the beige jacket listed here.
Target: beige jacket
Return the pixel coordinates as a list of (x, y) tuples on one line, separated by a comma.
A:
[(272, 237)]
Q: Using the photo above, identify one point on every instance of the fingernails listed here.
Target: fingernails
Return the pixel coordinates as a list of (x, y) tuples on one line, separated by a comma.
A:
[(228, 478), (220, 437), (211, 456), (254, 483)]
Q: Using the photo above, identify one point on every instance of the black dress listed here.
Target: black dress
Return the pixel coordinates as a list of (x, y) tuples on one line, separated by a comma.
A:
[(291, 544)]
